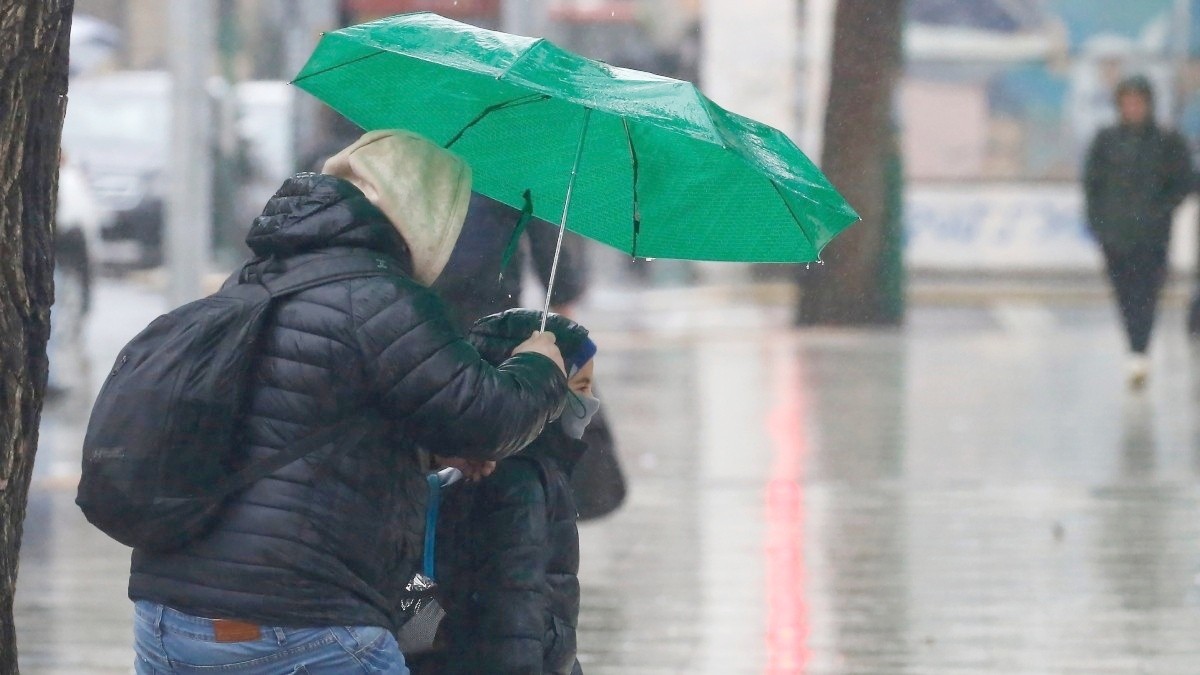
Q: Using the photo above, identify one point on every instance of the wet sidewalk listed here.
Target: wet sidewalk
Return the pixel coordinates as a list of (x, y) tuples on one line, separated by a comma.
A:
[(977, 493)]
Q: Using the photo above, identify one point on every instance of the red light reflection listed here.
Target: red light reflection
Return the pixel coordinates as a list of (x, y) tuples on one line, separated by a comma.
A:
[(787, 610)]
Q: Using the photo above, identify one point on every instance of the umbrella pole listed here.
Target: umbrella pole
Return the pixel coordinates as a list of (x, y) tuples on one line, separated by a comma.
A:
[(562, 226)]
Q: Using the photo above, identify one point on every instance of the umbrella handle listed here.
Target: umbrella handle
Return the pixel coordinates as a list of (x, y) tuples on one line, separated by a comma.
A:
[(562, 226)]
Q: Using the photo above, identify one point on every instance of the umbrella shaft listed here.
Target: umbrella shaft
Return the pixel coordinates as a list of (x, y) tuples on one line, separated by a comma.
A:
[(562, 226)]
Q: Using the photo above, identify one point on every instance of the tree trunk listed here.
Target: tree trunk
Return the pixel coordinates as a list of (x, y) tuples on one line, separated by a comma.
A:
[(853, 287), (34, 37)]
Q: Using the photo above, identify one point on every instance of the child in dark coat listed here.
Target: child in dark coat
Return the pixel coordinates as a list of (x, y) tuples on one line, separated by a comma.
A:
[(508, 546)]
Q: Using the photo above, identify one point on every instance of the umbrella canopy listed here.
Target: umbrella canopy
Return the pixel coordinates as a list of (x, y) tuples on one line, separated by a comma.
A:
[(646, 164)]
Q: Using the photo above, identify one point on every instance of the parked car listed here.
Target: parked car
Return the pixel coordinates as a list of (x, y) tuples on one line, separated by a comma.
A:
[(118, 131)]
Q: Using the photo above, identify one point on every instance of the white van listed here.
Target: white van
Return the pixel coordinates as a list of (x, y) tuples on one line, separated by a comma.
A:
[(117, 130)]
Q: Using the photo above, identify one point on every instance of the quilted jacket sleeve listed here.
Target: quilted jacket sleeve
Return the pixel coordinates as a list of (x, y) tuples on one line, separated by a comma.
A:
[(511, 519), (435, 384)]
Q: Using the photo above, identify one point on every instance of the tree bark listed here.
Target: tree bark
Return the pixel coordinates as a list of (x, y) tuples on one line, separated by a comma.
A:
[(860, 145), (34, 38)]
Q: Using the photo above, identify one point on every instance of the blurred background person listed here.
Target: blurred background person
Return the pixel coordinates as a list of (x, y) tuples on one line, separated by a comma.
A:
[(1137, 173), (77, 224), (474, 282)]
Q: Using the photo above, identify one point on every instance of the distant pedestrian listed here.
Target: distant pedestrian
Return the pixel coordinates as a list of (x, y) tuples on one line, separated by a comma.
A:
[(1137, 173), (508, 546), (77, 225)]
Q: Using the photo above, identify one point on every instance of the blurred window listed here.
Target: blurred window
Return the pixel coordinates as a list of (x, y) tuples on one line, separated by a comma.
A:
[(117, 120)]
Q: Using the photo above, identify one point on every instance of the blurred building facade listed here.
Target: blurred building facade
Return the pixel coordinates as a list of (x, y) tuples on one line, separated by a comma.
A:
[(1029, 82), (997, 105), (633, 32)]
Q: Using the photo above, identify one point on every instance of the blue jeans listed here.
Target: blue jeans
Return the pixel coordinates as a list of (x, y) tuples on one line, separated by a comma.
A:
[(169, 641)]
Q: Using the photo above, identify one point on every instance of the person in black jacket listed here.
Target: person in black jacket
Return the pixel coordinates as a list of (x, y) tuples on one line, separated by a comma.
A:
[(508, 546), (303, 571), (1137, 173), (478, 281), (474, 286)]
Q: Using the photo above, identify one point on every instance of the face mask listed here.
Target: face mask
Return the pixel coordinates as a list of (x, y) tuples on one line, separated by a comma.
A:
[(581, 408)]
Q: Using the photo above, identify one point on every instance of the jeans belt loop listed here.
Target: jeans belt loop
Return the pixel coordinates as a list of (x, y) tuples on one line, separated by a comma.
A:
[(280, 635), (159, 610)]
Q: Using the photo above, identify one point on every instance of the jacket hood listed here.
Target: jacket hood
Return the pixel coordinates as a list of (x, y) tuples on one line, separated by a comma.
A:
[(496, 335), (311, 212), (422, 188)]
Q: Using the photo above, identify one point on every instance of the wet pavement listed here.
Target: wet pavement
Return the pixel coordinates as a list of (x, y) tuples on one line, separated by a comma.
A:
[(977, 493)]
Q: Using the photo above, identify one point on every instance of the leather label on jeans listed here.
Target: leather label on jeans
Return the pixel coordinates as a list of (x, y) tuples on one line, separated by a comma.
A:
[(228, 630)]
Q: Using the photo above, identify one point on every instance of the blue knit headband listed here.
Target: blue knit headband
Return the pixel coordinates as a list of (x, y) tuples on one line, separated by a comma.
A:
[(578, 358)]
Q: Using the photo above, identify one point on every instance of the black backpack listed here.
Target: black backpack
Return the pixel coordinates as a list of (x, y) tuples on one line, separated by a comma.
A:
[(161, 451)]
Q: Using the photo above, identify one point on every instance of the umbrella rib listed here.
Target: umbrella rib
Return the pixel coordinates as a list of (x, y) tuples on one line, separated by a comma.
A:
[(531, 98), (796, 218), (520, 57), (637, 215), (335, 67)]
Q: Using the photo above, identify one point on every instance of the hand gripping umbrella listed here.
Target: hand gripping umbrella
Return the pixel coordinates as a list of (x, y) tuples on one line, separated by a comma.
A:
[(643, 163)]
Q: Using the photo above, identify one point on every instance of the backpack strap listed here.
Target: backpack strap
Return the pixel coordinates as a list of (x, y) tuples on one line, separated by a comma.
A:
[(305, 273), (348, 432), (437, 481), (318, 270)]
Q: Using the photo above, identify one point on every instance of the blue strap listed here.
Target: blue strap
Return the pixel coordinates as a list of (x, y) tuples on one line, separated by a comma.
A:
[(431, 518)]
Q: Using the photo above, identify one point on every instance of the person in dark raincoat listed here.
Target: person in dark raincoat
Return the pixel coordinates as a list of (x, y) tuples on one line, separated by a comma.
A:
[(473, 286), (474, 283), (1137, 173), (508, 546)]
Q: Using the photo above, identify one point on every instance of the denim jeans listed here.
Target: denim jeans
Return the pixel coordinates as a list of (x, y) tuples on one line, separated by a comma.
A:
[(168, 641), (1137, 277)]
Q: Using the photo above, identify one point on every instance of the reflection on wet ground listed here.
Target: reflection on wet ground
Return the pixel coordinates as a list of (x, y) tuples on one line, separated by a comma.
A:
[(978, 493)]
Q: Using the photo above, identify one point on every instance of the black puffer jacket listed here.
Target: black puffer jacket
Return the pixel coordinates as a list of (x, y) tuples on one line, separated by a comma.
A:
[(508, 559), (331, 539), (1134, 178), (508, 547)]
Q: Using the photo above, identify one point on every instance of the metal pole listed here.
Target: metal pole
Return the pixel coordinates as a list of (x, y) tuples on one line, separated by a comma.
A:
[(308, 20), (818, 39), (562, 226), (523, 17), (189, 209), (1183, 35)]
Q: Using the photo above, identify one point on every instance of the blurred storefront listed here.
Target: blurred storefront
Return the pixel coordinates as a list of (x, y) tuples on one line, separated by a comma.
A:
[(999, 103), (484, 13), (261, 44), (1029, 82)]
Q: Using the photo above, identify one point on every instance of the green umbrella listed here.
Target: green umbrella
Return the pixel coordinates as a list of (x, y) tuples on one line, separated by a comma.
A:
[(644, 163)]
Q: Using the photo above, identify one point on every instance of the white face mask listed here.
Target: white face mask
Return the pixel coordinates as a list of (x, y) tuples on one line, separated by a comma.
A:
[(581, 408)]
